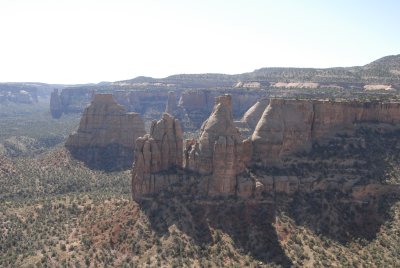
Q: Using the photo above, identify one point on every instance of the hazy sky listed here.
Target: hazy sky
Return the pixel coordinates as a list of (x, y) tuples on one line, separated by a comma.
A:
[(79, 41)]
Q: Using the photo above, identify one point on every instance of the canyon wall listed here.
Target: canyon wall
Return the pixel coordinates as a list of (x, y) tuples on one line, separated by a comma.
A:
[(289, 126)]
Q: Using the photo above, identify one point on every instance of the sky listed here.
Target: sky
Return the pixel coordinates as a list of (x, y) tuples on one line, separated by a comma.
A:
[(89, 41)]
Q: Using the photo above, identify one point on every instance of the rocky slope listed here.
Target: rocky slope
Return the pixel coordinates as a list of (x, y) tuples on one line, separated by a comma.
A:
[(106, 135)]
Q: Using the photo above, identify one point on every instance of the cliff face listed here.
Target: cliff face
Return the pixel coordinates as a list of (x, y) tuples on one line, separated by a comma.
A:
[(106, 135), (55, 104), (221, 163), (158, 156), (220, 151), (289, 126)]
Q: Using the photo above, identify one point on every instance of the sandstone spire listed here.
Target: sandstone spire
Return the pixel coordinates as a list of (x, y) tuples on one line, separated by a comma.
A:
[(156, 155), (220, 151)]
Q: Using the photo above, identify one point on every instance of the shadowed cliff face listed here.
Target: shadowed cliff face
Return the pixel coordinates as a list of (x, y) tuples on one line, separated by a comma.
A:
[(106, 135)]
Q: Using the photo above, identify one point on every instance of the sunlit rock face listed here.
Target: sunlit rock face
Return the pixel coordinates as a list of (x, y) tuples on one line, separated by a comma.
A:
[(220, 150), (158, 157), (254, 113), (106, 135), (289, 126)]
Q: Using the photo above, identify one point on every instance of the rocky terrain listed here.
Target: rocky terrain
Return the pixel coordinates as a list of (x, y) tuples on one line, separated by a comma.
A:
[(222, 163), (288, 126), (308, 175), (196, 92), (106, 135)]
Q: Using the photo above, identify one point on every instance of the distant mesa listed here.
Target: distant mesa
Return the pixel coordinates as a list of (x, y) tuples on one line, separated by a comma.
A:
[(106, 135)]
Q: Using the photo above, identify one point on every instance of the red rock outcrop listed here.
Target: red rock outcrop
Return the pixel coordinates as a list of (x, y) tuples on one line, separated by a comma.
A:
[(158, 156), (220, 151), (289, 126), (106, 135), (56, 109)]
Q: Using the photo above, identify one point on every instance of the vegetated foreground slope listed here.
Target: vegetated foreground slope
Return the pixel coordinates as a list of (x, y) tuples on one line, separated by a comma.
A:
[(27, 129), (54, 212)]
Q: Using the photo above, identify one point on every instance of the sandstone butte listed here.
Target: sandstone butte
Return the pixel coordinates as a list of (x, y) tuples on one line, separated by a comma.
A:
[(220, 159), (106, 135)]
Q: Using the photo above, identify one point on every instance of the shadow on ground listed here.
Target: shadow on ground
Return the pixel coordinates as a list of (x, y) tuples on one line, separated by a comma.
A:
[(249, 225)]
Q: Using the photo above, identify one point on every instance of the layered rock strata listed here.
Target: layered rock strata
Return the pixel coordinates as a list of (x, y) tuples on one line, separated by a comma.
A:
[(158, 156), (106, 135), (289, 126)]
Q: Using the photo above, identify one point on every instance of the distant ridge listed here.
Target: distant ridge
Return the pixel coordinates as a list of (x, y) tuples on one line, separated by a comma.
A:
[(383, 70)]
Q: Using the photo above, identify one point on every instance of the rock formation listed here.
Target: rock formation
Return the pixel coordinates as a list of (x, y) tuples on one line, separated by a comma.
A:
[(55, 104), (198, 104), (172, 106), (289, 126), (221, 163), (158, 156), (220, 151), (106, 135), (253, 115)]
